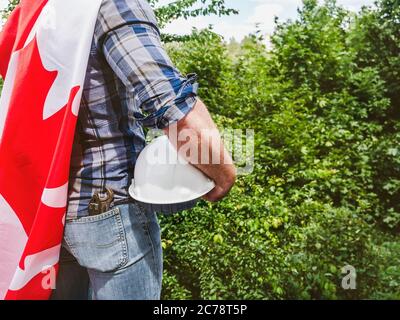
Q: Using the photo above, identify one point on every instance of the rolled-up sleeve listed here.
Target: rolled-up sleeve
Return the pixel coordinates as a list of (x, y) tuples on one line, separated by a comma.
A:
[(138, 58)]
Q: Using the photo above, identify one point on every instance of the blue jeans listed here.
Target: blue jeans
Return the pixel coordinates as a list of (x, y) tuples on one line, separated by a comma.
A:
[(113, 256)]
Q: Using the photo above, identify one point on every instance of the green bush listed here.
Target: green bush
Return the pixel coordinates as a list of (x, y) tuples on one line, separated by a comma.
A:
[(325, 189)]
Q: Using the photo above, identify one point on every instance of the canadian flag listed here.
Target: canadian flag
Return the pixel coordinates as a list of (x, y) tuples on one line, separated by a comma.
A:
[(44, 51)]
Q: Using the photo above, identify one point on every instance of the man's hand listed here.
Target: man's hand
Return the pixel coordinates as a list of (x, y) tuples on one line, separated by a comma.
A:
[(198, 140)]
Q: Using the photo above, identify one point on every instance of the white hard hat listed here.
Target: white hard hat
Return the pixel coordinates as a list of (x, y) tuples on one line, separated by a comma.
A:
[(165, 181)]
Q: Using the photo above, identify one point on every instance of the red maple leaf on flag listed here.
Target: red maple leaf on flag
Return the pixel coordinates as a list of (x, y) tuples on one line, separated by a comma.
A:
[(17, 29)]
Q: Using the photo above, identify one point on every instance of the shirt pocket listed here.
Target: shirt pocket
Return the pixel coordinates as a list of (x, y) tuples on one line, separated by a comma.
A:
[(98, 242)]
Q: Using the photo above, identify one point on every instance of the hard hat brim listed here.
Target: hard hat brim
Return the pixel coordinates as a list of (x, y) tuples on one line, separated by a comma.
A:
[(194, 197)]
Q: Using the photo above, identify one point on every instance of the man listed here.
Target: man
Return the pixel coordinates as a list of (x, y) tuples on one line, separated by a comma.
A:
[(131, 83)]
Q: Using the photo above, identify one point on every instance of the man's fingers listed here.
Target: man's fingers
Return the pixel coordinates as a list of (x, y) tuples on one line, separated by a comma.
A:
[(215, 194)]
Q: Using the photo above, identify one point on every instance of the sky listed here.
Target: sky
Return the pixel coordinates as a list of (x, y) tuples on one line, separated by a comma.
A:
[(251, 13), (3, 3)]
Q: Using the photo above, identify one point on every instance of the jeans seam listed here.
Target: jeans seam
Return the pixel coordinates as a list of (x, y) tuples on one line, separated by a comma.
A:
[(145, 226), (89, 219), (73, 252), (123, 240)]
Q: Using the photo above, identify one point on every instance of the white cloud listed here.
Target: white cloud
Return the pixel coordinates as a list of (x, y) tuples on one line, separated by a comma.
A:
[(265, 11), (262, 13)]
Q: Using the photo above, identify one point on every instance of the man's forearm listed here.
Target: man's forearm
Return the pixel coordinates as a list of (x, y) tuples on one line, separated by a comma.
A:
[(198, 140)]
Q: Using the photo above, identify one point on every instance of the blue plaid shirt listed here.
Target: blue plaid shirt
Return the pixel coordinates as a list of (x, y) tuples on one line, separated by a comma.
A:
[(131, 83)]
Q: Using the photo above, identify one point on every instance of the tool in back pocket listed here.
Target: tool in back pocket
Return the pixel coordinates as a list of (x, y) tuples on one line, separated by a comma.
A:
[(100, 204)]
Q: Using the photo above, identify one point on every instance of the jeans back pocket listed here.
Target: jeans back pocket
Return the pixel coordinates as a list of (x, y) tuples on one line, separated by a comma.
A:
[(98, 242)]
